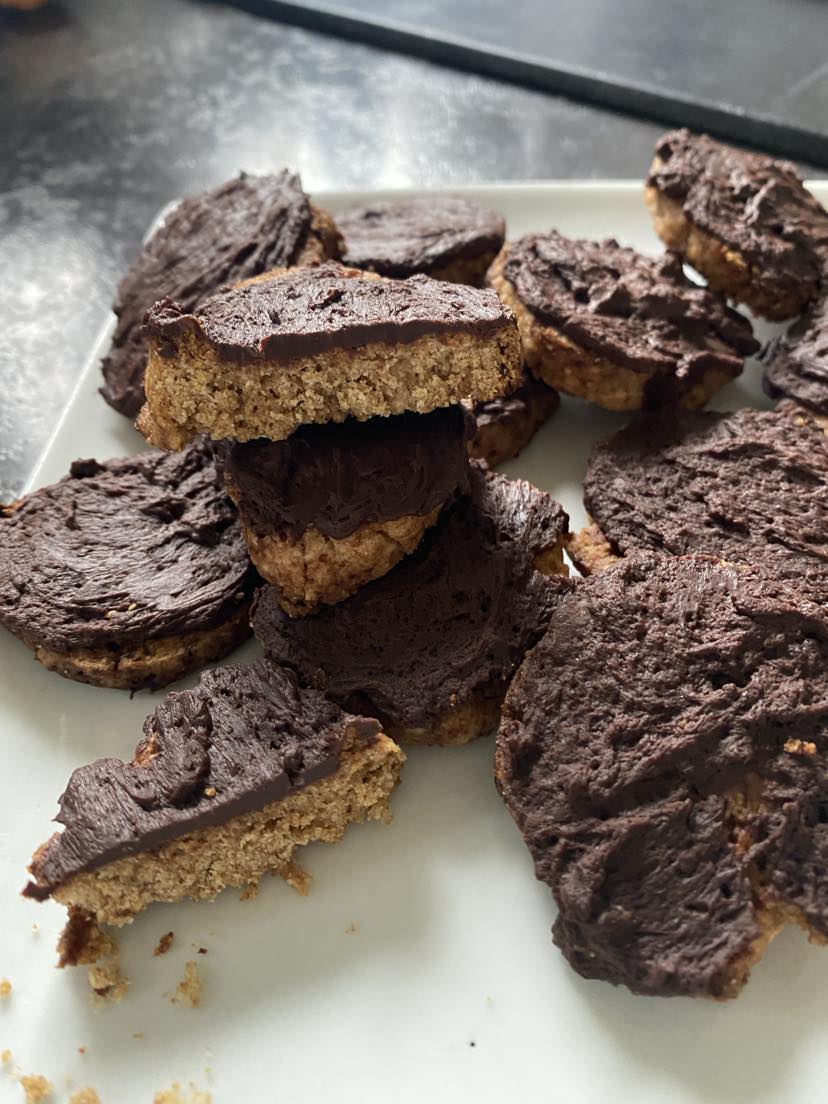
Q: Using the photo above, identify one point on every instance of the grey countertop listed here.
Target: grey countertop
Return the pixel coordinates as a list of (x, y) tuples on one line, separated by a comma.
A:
[(112, 108)]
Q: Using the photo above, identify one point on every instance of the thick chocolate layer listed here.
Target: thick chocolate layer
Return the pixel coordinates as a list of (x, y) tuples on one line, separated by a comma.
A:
[(123, 552), (403, 237), (750, 487), (449, 624), (242, 738), (797, 364), (317, 308), (752, 203), (639, 312), (235, 231), (338, 477), (663, 751)]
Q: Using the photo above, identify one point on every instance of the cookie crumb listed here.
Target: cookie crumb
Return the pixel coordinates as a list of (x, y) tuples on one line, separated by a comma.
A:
[(87, 1095), (176, 1095), (107, 982), (5, 1057), (164, 943), (5, 989), (36, 1087), (472, 1043), (351, 929), (201, 950), (210, 791), (250, 892), (188, 991), (137, 1034), (800, 747), (81, 1050)]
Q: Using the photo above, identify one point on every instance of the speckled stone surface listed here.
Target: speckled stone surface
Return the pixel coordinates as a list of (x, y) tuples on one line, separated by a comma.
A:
[(111, 110)]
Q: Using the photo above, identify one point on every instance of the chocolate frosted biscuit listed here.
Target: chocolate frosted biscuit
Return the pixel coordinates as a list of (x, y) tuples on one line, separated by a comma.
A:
[(445, 237), (228, 780), (235, 231), (749, 487), (335, 506), (429, 649), (745, 221), (796, 365), (623, 330), (322, 344), (127, 573), (663, 751), (505, 426)]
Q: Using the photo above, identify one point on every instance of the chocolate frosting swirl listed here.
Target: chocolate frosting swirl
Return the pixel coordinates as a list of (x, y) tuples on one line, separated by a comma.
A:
[(448, 624), (663, 751), (339, 477), (751, 202), (322, 307), (402, 237), (123, 552), (242, 738), (750, 487), (243, 227), (797, 364), (641, 313)]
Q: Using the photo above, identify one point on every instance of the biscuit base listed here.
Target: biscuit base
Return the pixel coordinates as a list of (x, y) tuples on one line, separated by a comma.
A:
[(324, 241), (241, 851), (149, 665), (197, 392), (725, 269), (506, 438), (569, 367), (464, 722), (313, 569), (590, 550)]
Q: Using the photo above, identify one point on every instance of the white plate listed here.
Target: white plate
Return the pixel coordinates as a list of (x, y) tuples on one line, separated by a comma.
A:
[(421, 968)]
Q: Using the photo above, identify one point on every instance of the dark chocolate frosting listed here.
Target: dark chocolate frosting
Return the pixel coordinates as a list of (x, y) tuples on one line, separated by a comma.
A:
[(750, 202), (641, 313), (242, 738), (122, 552), (403, 237), (317, 308), (448, 624), (505, 409), (797, 364), (750, 487), (663, 752), (338, 477), (235, 231)]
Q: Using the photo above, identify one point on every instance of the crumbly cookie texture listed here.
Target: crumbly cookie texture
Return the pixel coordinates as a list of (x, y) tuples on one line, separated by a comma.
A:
[(313, 569), (431, 344), (590, 550), (567, 366), (505, 426), (147, 666), (231, 777), (724, 267)]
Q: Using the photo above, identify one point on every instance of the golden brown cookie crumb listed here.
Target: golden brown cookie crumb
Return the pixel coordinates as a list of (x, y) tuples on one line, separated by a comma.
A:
[(800, 747), (107, 982), (36, 1088), (5, 989), (164, 943), (250, 892), (188, 990), (87, 1095), (6, 1057), (176, 1095)]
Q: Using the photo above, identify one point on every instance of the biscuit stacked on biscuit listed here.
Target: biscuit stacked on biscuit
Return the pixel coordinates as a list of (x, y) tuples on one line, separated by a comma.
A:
[(334, 395)]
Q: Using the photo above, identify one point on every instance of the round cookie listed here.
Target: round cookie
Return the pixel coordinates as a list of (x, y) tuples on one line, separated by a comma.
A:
[(610, 325), (128, 573), (430, 648), (749, 487), (744, 221), (335, 506), (505, 426), (796, 365), (321, 344), (445, 237), (663, 752), (237, 230)]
